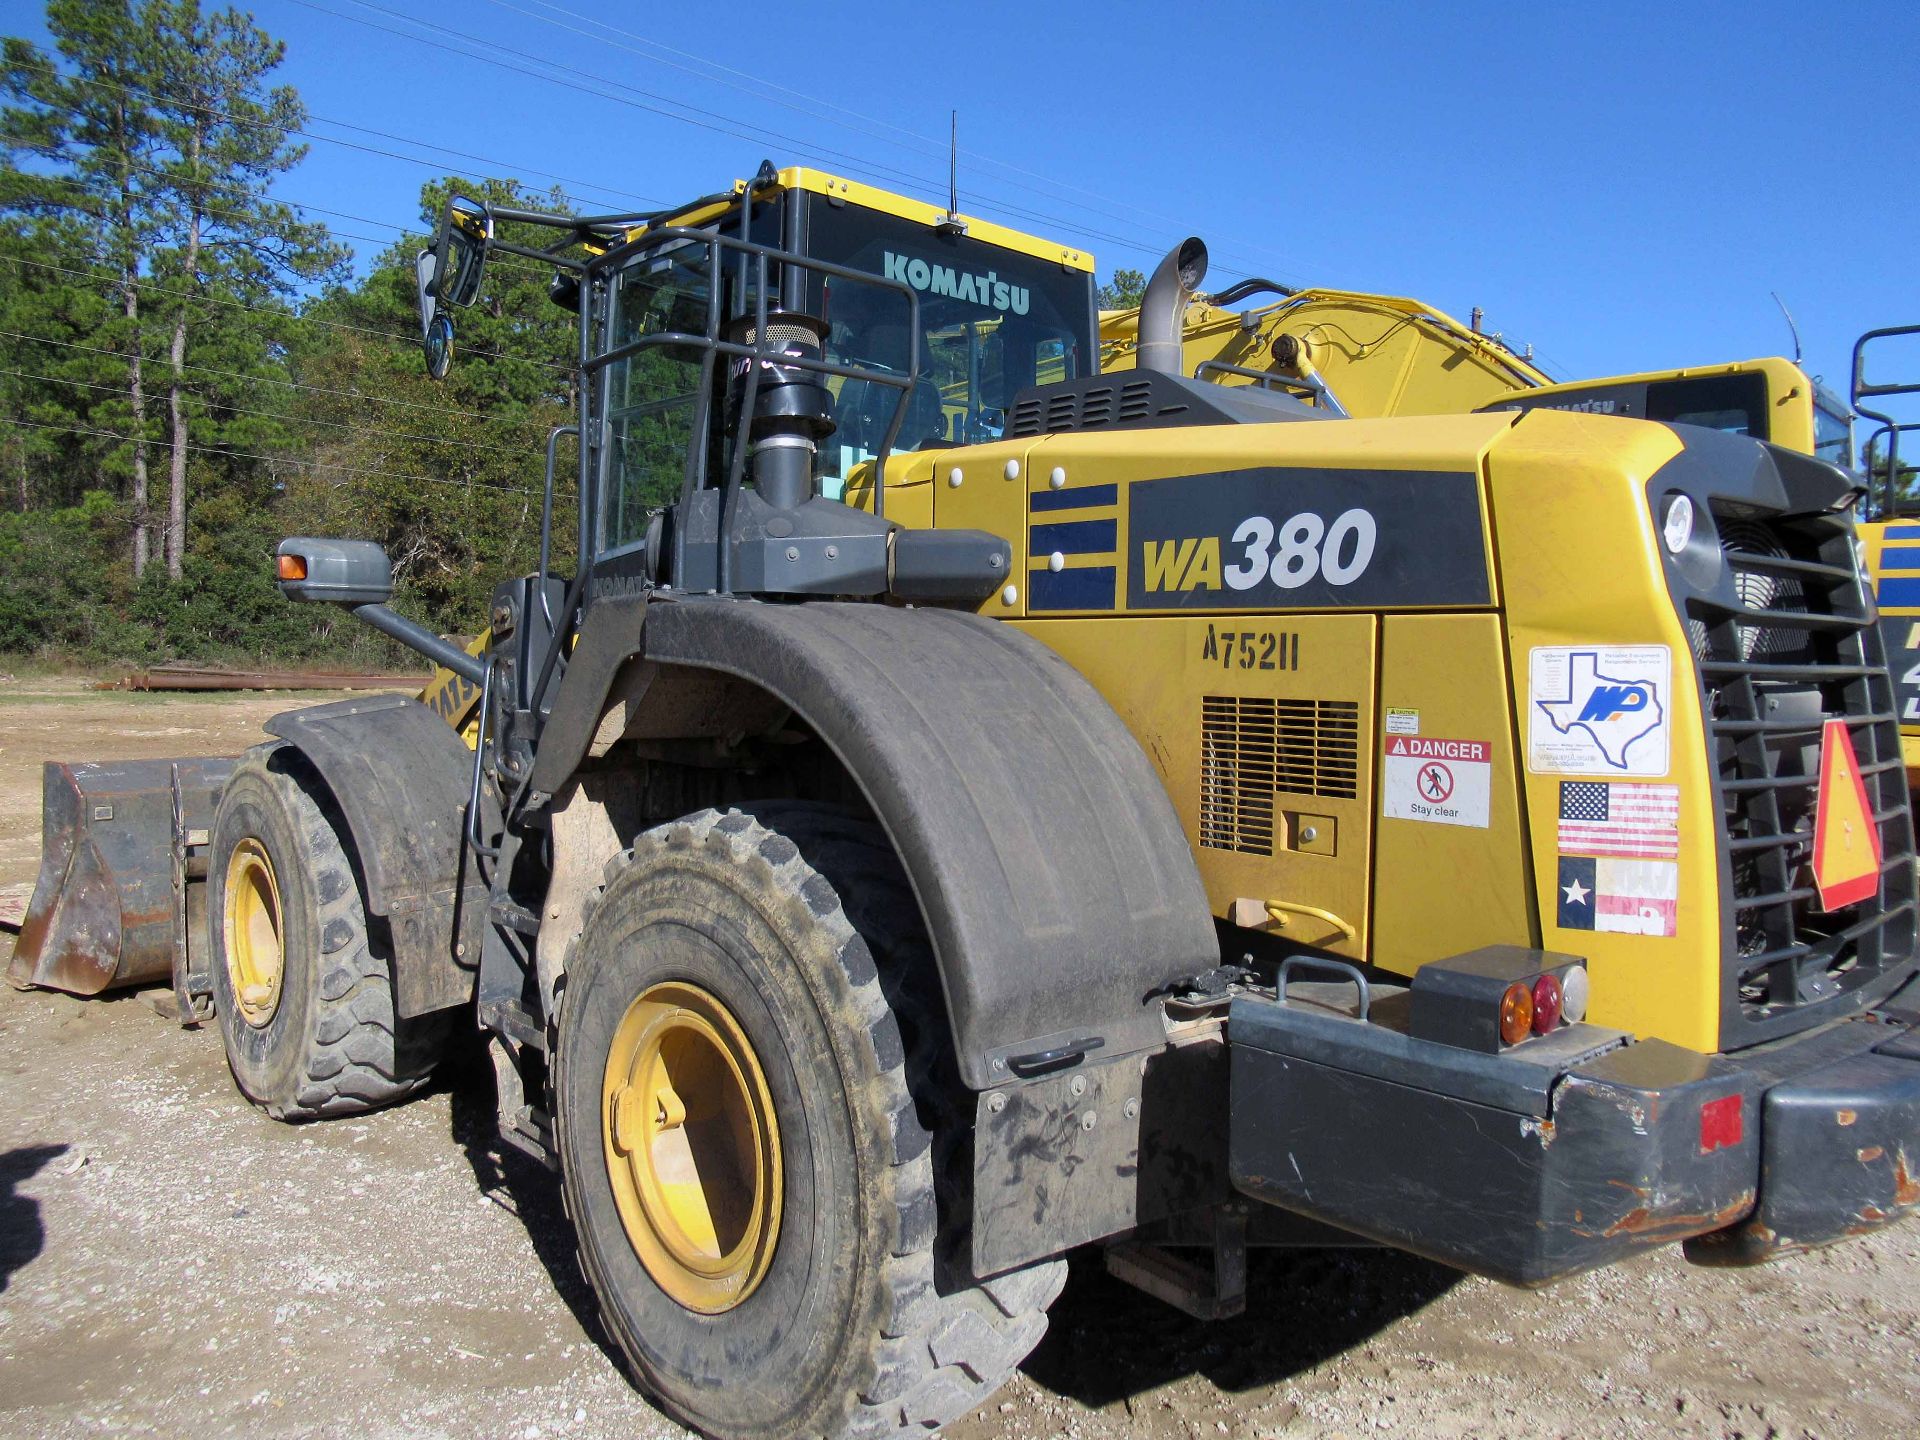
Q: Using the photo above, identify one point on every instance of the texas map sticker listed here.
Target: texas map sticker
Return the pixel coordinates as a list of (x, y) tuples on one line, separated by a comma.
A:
[(1599, 709)]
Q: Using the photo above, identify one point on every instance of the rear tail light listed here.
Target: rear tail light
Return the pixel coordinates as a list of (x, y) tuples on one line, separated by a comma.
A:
[(1546, 1005), (1496, 997)]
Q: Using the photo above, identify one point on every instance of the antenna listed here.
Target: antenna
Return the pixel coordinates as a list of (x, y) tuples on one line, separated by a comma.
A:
[(953, 224), (1790, 325)]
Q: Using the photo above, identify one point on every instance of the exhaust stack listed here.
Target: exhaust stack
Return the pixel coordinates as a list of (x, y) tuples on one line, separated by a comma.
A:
[(1164, 307)]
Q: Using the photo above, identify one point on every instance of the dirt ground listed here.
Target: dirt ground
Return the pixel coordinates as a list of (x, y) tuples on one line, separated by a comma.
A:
[(172, 1262)]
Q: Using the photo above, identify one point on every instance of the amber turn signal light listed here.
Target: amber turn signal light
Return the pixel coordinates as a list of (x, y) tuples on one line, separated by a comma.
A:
[(293, 567), (1516, 1013)]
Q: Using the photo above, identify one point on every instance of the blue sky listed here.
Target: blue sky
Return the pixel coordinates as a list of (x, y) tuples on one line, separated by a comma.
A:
[(1619, 185)]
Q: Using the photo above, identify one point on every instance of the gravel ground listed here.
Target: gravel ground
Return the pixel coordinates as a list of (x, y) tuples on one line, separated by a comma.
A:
[(173, 1262)]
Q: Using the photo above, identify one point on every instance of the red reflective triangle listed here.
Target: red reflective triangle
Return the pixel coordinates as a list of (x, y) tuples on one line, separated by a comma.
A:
[(1846, 842)]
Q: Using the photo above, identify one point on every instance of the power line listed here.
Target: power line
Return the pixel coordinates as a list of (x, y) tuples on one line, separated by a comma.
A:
[(267, 380), (240, 215), (505, 262), (813, 105), (288, 315), (293, 419), (485, 160), (281, 459), (765, 136), (720, 125)]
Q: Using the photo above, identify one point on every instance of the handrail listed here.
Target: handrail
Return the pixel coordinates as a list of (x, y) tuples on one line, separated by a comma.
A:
[(1317, 962), (1280, 909), (592, 366), (1889, 496)]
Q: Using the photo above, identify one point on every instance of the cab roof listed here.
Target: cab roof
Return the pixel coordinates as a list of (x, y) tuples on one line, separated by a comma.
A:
[(838, 188)]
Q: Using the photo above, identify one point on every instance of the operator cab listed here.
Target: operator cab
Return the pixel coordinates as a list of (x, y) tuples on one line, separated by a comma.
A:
[(998, 311), (748, 361)]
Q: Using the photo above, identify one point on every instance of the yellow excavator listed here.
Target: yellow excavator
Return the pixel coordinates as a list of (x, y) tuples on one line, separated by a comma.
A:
[(1351, 353), (958, 804)]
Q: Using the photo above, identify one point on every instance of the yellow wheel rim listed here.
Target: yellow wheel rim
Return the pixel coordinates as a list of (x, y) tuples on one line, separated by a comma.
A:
[(256, 957), (692, 1147)]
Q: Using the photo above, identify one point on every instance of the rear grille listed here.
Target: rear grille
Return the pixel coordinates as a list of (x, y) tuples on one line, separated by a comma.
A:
[(1786, 646), (1254, 748)]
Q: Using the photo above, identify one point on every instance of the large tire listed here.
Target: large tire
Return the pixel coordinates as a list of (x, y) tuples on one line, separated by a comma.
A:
[(798, 921), (321, 1038)]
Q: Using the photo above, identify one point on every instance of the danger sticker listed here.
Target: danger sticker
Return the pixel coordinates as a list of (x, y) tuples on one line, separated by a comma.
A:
[(1442, 782), (1599, 709)]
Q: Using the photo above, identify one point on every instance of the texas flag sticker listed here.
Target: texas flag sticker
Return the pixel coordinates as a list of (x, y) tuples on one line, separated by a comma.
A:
[(1619, 896)]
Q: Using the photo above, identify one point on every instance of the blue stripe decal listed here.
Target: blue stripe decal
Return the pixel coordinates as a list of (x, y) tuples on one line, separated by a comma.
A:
[(1091, 589), (1075, 537), (1088, 496), (1903, 532), (1899, 594)]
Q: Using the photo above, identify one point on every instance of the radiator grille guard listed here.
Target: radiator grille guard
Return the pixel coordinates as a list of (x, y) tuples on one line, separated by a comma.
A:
[(1784, 639)]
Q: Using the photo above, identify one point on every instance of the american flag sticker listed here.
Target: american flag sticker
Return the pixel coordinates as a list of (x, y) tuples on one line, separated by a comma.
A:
[(1619, 897), (1628, 821)]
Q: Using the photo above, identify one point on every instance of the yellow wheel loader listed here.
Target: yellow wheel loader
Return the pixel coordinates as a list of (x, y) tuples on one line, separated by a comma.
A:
[(1139, 812)]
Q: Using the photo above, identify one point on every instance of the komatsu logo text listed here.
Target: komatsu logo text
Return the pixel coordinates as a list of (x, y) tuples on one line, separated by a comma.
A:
[(984, 288)]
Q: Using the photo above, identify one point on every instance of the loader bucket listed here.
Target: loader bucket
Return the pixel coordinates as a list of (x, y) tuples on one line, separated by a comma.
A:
[(119, 844)]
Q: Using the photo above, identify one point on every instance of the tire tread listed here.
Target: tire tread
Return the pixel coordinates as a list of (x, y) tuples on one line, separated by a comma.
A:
[(939, 1349), (355, 1056)]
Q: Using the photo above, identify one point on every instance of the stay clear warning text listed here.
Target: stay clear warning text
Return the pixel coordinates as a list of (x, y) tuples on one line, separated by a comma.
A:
[(1443, 782)]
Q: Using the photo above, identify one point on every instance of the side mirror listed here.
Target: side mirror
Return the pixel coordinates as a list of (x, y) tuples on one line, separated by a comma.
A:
[(436, 326), (450, 274), (334, 572), (460, 257)]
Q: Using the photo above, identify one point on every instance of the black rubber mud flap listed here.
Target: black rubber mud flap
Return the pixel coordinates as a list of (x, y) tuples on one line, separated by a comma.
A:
[(401, 777), (1051, 867)]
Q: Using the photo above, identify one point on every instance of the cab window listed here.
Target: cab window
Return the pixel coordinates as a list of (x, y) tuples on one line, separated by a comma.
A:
[(1735, 403), (651, 396), (1832, 437), (992, 323)]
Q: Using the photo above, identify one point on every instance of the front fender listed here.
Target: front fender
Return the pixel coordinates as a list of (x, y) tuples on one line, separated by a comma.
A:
[(400, 776), (1051, 868)]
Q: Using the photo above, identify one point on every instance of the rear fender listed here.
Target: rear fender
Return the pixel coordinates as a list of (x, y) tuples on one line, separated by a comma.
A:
[(401, 778), (1052, 871)]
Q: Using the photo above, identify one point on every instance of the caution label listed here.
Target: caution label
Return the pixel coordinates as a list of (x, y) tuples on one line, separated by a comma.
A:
[(1441, 782)]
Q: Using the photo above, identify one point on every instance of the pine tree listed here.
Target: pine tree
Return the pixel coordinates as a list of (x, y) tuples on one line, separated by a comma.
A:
[(81, 139), (227, 138)]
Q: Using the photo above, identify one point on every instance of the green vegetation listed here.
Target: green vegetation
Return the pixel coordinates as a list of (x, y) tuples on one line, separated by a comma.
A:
[(1124, 291), (187, 372)]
